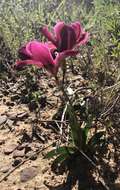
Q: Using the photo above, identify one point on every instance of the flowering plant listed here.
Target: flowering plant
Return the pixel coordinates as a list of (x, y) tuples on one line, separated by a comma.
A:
[(50, 54)]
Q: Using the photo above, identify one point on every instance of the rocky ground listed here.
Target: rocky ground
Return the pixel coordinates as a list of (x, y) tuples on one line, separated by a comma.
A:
[(26, 135), (25, 139)]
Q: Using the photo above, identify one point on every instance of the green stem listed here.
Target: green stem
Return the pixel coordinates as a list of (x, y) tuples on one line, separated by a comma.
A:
[(74, 124)]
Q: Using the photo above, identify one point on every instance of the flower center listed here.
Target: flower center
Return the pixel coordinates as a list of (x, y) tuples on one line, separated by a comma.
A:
[(54, 53)]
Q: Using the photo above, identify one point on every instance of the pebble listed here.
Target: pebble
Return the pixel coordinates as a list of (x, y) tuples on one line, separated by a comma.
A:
[(16, 162), (5, 169), (3, 119), (28, 174), (9, 122), (9, 149), (19, 153), (12, 115), (22, 115), (22, 146)]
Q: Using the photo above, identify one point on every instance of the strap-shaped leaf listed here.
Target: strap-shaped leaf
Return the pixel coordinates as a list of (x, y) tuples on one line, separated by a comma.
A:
[(75, 127), (61, 158), (85, 130), (60, 150)]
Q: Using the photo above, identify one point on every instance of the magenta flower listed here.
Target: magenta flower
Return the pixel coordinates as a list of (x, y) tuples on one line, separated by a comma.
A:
[(65, 36), (42, 55)]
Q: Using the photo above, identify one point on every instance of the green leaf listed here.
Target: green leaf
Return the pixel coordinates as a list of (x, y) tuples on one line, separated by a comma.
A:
[(75, 127), (85, 134), (60, 150), (61, 158), (86, 129)]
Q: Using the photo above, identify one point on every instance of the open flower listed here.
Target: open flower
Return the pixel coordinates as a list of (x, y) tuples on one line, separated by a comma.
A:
[(42, 55), (65, 36)]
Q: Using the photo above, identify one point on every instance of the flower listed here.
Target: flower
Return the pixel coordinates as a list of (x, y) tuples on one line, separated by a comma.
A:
[(42, 55), (66, 36)]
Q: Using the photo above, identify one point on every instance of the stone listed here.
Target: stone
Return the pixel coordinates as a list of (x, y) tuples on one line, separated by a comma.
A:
[(22, 115), (28, 174), (19, 153), (9, 122), (16, 162), (5, 168), (22, 146), (8, 150), (12, 115), (3, 119)]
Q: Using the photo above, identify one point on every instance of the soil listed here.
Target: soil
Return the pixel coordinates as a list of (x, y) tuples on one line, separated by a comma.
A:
[(26, 136)]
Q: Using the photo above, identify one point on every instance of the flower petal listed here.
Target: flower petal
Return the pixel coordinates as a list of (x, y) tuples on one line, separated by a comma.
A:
[(83, 38), (40, 52), (61, 56), (57, 30), (20, 64), (50, 45), (52, 48), (68, 38), (40, 56), (48, 35), (77, 28), (23, 54)]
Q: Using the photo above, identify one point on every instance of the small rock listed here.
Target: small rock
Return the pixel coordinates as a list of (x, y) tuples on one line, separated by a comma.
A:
[(5, 169), (28, 174), (3, 119), (16, 162), (9, 122), (22, 146), (19, 153), (12, 115), (9, 149), (22, 115)]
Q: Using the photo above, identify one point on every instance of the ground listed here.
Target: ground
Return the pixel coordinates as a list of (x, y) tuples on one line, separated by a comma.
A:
[(26, 136), (16, 125)]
